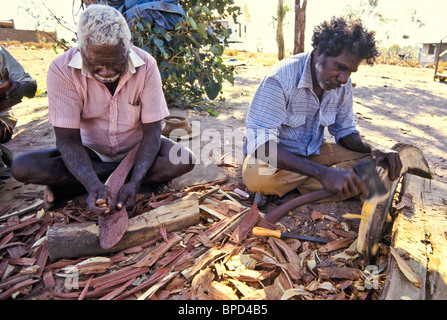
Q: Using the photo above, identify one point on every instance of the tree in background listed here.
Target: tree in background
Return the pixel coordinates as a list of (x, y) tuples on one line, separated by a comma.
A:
[(281, 12), (190, 56), (300, 26)]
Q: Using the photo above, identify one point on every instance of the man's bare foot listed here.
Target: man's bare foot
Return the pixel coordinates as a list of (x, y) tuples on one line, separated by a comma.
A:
[(48, 198)]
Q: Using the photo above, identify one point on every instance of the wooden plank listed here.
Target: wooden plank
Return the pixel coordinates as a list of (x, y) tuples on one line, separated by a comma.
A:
[(82, 239), (419, 237), (408, 231), (435, 208)]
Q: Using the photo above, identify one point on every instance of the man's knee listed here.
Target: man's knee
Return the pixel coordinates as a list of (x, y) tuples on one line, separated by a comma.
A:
[(21, 168), (36, 166), (256, 176), (185, 167), (174, 160)]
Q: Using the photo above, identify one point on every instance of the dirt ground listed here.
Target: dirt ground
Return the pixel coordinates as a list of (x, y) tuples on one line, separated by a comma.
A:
[(392, 104)]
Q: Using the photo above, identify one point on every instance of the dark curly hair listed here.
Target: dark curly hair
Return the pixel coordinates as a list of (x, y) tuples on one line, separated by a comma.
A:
[(340, 33)]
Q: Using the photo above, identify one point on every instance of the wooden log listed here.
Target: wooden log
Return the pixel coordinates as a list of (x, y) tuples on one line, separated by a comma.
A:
[(82, 239), (413, 161), (419, 237)]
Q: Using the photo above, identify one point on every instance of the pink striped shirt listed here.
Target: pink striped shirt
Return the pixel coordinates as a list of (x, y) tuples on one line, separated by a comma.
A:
[(110, 125)]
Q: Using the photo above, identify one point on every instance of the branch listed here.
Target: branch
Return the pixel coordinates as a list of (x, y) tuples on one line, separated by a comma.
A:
[(59, 20)]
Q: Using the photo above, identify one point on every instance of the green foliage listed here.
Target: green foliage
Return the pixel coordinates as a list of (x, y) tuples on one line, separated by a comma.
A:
[(190, 57)]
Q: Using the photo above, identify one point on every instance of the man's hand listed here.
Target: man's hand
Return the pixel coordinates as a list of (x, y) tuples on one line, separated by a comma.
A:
[(393, 159), (99, 201), (343, 182), (127, 196), (15, 94)]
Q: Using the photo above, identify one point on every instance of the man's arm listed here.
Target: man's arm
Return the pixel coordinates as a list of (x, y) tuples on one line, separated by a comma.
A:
[(146, 155), (355, 142), (78, 162), (339, 181)]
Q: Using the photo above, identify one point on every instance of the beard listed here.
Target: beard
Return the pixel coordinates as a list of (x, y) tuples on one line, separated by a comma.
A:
[(324, 84)]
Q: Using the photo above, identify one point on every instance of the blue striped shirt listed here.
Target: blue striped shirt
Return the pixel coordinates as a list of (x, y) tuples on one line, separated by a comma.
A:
[(286, 110)]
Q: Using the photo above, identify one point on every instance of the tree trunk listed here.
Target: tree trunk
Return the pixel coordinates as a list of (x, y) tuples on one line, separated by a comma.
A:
[(300, 26), (279, 30)]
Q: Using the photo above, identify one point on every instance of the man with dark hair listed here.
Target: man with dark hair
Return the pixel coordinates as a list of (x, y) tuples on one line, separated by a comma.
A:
[(295, 102)]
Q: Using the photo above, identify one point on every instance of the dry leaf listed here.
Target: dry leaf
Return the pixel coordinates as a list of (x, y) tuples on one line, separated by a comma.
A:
[(339, 273), (291, 262), (315, 285), (406, 269), (295, 292)]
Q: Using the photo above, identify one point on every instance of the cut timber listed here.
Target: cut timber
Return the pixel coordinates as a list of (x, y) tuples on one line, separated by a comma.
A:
[(371, 227), (82, 239), (419, 236)]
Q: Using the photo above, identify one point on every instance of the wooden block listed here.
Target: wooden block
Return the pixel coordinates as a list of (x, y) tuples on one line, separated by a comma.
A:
[(82, 239)]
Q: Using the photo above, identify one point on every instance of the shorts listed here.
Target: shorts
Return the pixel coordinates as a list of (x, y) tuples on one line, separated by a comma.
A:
[(262, 177)]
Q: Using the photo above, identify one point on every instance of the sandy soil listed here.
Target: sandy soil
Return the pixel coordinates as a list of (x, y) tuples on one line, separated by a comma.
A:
[(392, 104)]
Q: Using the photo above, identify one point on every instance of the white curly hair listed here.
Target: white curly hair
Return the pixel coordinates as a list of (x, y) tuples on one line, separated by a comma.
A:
[(100, 24)]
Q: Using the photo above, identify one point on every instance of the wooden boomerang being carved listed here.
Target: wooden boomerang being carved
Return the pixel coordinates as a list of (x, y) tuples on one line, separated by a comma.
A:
[(112, 226)]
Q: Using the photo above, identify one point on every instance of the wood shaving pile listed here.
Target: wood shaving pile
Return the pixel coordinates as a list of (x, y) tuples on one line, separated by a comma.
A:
[(218, 259)]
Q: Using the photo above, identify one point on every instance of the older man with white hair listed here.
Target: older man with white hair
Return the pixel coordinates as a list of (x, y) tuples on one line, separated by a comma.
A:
[(105, 97)]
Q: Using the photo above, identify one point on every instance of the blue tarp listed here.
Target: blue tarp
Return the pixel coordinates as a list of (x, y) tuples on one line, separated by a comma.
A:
[(166, 13)]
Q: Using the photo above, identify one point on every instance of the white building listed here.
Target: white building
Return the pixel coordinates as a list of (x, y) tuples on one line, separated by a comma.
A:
[(430, 50)]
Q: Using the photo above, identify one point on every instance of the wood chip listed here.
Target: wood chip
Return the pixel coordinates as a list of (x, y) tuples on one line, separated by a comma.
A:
[(201, 282), (335, 245), (152, 257), (339, 273), (247, 224), (158, 285), (221, 291)]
